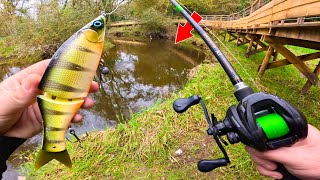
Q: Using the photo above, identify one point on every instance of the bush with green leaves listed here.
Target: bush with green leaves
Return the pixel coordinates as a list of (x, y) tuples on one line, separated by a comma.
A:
[(155, 22)]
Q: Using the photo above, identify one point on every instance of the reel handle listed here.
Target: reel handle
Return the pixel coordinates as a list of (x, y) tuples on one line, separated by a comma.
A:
[(209, 165), (286, 174), (183, 104)]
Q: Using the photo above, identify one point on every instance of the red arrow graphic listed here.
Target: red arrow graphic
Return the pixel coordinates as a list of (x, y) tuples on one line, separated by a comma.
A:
[(184, 32)]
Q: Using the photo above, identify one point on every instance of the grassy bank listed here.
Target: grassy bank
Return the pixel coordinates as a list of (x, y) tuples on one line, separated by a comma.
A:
[(144, 148)]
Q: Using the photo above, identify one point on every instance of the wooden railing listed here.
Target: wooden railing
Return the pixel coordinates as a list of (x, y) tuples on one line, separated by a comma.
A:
[(215, 17), (129, 22), (249, 10), (245, 12), (266, 13)]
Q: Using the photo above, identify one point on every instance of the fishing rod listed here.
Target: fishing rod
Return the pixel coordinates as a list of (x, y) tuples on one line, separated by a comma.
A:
[(260, 120)]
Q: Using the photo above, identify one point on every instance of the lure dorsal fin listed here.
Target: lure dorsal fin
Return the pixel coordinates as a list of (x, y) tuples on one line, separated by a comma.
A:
[(44, 157), (91, 35)]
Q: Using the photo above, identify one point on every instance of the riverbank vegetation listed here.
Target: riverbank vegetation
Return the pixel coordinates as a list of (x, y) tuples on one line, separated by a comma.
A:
[(27, 27)]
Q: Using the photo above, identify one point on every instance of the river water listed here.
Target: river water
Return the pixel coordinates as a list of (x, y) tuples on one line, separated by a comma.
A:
[(140, 75)]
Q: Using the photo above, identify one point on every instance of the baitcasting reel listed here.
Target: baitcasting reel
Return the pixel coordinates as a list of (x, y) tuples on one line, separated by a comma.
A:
[(262, 121)]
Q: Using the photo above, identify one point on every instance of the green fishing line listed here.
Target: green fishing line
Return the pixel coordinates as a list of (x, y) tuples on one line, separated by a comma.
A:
[(273, 125)]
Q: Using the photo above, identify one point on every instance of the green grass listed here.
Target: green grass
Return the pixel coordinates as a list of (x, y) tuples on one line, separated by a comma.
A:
[(144, 147)]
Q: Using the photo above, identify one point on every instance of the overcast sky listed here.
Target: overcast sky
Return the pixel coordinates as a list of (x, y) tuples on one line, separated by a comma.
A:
[(30, 5)]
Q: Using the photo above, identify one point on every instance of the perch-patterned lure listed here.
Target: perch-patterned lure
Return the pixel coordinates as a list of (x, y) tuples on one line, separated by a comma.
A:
[(65, 83)]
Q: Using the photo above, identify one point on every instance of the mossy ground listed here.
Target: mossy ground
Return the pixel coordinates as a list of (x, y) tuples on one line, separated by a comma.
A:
[(144, 147)]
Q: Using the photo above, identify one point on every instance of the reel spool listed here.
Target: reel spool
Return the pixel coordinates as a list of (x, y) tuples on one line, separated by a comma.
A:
[(273, 125), (262, 121)]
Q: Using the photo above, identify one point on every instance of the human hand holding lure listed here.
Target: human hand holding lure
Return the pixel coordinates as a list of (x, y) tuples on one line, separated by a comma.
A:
[(20, 116), (262, 121)]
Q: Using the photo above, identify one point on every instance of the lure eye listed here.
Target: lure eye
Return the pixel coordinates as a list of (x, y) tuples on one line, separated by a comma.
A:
[(97, 24)]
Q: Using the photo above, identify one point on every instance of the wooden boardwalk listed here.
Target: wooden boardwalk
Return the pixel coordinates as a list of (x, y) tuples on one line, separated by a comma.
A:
[(125, 23), (269, 26)]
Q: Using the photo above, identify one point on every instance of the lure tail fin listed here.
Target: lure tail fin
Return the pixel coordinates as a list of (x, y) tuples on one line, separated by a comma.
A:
[(44, 157)]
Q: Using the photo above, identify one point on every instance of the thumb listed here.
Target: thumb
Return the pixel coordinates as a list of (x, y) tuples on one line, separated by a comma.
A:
[(26, 94)]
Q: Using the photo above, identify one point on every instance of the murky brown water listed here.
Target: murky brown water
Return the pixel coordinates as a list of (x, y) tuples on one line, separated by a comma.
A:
[(140, 75)]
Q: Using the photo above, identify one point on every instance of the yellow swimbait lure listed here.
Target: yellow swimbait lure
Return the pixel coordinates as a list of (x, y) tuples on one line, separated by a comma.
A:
[(65, 83)]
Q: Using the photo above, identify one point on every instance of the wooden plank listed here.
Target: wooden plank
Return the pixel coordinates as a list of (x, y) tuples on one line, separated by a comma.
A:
[(250, 44), (231, 35), (298, 33), (277, 10), (125, 23), (289, 25), (245, 39), (265, 61), (255, 46), (306, 57), (288, 9), (275, 56), (308, 84), (243, 43), (238, 40), (257, 51), (310, 34), (294, 42), (260, 43), (296, 62)]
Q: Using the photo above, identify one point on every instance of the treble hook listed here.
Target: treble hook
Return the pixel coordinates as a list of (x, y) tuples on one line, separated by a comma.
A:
[(103, 70), (73, 132)]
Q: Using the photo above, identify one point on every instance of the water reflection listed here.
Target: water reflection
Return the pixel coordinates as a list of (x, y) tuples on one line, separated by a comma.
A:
[(139, 76), (6, 71)]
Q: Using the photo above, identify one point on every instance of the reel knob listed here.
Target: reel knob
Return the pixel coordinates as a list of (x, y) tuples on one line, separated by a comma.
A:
[(209, 165), (183, 104)]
